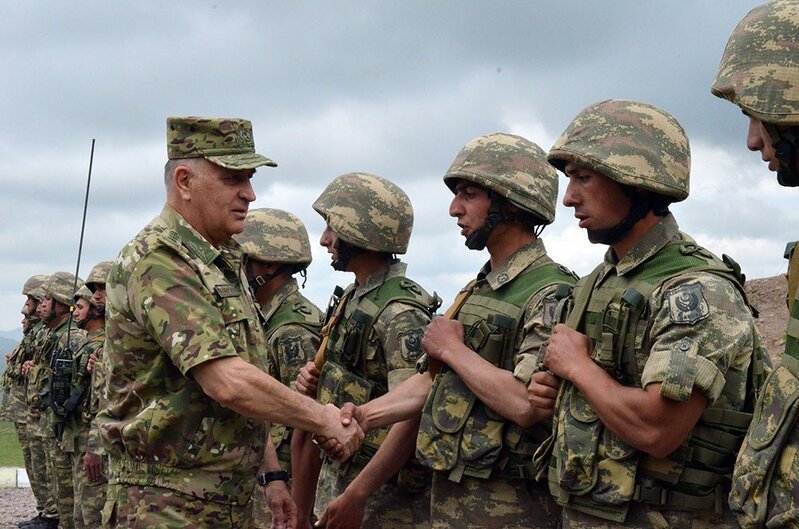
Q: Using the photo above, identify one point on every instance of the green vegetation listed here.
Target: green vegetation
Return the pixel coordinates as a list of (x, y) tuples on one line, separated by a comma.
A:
[(10, 451)]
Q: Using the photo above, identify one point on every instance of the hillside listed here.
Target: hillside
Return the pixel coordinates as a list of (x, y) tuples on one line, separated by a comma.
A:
[(768, 297)]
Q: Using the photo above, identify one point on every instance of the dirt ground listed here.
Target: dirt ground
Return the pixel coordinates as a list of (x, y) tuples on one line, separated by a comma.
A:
[(767, 295)]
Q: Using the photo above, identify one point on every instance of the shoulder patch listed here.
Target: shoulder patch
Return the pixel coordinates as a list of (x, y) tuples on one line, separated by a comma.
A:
[(291, 348), (550, 305), (410, 344), (687, 303)]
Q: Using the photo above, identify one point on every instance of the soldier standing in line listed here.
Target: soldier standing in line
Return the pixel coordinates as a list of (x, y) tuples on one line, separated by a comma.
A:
[(52, 382), (88, 484), (660, 350), (276, 246), (372, 342), (759, 72), (32, 368), (17, 379), (478, 431), (187, 390)]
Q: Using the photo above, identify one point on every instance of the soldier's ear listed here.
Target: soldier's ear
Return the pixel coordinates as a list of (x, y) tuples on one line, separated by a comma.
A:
[(181, 181)]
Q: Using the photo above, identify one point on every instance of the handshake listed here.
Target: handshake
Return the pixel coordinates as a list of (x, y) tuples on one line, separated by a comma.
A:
[(345, 427)]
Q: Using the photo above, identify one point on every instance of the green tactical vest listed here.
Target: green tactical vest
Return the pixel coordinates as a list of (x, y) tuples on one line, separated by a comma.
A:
[(343, 377), (290, 313), (602, 478), (458, 432)]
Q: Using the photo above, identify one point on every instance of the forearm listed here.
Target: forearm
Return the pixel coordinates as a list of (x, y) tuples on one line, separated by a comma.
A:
[(401, 403), (397, 448), (305, 467), (495, 387), (271, 462)]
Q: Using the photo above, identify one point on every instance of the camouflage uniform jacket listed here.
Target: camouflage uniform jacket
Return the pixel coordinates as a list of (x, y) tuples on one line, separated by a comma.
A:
[(35, 406), (77, 427), (688, 328), (292, 326), (98, 401), (64, 335), (14, 382), (174, 301), (507, 319)]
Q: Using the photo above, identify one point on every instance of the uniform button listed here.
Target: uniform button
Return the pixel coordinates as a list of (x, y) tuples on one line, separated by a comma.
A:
[(684, 346)]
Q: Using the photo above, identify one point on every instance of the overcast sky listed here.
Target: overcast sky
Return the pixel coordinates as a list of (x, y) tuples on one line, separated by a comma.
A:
[(390, 88)]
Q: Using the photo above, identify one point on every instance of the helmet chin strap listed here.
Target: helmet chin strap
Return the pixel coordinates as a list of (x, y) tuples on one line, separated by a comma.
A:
[(785, 148), (641, 205), (478, 239), (346, 252), (255, 281)]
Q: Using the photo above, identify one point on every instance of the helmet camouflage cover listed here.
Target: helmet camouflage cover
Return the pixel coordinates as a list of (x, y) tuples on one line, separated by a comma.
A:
[(275, 236), (33, 284), (61, 287), (98, 275), (511, 166), (85, 293), (759, 70), (368, 212), (633, 143)]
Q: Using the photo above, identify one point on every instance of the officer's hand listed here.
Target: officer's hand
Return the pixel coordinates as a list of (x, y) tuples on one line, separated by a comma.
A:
[(281, 505), (93, 466), (92, 361), (542, 392), (441, 336), (345, 512), (307, 380), (567, 351), (348, 437), (27, 366)]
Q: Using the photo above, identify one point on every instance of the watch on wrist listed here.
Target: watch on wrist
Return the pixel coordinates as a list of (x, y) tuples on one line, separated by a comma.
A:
[(268, 477)]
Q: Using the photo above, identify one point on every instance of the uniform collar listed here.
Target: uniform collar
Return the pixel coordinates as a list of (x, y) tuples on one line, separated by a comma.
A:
[(397, 268), (517, 263), (196, 243), (281, 295), (650, 243)]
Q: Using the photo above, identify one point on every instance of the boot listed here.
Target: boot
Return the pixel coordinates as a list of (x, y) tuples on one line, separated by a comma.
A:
[(32, 521)]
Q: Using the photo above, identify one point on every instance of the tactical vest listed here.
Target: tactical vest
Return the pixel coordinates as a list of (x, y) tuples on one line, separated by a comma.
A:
[(597, 473), (792, 334), (81, 383), (343, 377), (290, 313), (458, 432)]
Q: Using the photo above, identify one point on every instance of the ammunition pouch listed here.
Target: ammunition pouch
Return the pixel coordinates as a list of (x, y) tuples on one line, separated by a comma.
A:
[(60, 382)]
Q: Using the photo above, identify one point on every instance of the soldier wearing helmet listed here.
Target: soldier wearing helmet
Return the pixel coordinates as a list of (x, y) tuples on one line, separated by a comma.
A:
[(759, 72), (371, 342), (187, 391), (478, 433), (81, 437), (659, 353), (276, 247)]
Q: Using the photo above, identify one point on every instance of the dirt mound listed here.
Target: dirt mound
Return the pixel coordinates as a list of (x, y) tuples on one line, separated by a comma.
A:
[(768, 297)]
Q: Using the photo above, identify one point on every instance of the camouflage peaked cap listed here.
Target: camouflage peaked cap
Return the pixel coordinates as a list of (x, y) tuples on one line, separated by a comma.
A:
[(760, 68), (368, 212), (61, 287), (630, 142), (33, 284), (224, 142), (85, 293), (98, 275), (275, 236), (511, 166)]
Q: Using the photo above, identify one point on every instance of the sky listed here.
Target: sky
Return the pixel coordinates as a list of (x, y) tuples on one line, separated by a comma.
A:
[(389, 88)]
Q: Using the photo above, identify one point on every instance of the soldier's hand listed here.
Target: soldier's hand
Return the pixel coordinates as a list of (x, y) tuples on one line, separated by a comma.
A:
[(566, 352), (542, 392), (442, 335), (93, 466), (281, 505), (307, 380), (344, 512), (348, 437), (27, 366), (92, 361)]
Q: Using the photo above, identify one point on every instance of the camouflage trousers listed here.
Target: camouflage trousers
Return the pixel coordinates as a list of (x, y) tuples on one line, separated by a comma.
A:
[(24, 443), (393, 506), (498, 503), (642, 516), (89, 496), (59, 466), (39, 476), (129, 506)]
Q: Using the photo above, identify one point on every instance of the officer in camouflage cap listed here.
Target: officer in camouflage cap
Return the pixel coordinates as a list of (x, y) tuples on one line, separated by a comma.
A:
[(759, 72), (276, 246), (371, 342), (659, 353), (183, 338)]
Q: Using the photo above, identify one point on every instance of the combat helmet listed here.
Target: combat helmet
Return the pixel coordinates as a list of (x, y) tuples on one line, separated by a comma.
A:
[(61, 287), (33, 284), (98, 275), (85, 293), (759, 72), (275, 236), (367, 212), (512, 167)]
